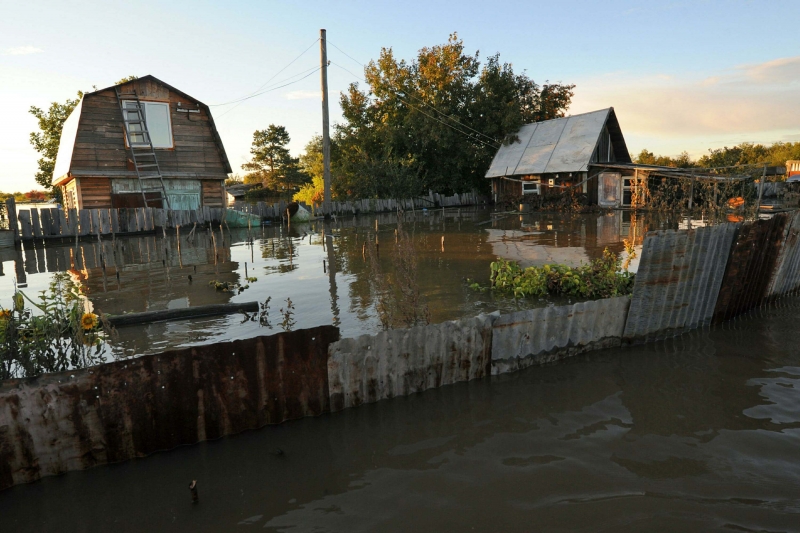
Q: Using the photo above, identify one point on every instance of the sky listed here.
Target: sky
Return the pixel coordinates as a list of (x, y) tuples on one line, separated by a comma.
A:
[(690, 76)]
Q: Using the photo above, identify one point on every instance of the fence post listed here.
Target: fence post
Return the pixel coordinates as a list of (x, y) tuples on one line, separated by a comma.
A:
[(760, 189), (11, 214)]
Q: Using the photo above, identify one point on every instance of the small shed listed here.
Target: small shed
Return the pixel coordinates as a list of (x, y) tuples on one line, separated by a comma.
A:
[(560, 153), (95, 166)]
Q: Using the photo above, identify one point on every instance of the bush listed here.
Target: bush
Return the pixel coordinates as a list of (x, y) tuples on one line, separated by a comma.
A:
[(600, 279), (63, 336)]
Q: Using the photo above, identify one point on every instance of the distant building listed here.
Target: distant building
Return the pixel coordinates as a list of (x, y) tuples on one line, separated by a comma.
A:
[(236, 193), (95, 167), (793, 171)]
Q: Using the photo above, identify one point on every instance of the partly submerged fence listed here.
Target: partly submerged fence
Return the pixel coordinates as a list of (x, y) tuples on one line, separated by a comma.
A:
[(687, 279), (369, 205), (57, 223)]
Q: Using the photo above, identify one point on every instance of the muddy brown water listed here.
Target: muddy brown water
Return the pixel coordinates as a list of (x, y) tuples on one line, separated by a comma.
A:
[(697, 433), (293, 263)]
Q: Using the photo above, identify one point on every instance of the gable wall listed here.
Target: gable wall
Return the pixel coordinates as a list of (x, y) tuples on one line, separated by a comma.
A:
[(100, 141)]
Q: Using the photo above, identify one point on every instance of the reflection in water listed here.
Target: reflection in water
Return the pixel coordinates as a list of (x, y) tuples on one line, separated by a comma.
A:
[(697, 433), (326, 277)]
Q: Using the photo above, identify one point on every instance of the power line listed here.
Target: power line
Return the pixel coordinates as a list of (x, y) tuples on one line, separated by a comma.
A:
[(269, 80), (493, 140), (271, 87), (269, 91), (469, 135)]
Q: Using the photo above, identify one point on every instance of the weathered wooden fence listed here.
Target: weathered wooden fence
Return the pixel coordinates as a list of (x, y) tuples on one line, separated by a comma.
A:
[(369, 205), (57, 223)]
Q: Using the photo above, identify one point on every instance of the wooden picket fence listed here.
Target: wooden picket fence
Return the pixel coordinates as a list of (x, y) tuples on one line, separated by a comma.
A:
[(56, 223), (370, 205)]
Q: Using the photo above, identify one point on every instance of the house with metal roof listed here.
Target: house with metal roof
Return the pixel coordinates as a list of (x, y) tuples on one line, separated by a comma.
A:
[(563, 153), (142, 143)]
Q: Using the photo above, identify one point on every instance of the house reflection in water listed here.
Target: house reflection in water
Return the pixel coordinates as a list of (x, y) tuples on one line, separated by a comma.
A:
[(536, 240)]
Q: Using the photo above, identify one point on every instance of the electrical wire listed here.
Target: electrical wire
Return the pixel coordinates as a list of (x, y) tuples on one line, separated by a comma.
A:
[(493, 140), (269, 91), (250, 95)]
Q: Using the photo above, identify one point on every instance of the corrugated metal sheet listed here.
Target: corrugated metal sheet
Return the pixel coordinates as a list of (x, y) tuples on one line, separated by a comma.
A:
[(558, 145), (403, 361), (678, 280), (109, 413), (786, 278), (750, 267), (538, 336)]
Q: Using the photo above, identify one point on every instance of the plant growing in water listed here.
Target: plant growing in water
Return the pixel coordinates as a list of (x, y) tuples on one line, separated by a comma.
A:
[(600, 279), (62, 335), (288, 316)]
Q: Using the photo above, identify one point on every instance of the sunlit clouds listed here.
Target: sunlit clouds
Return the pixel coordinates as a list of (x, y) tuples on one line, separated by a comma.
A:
[(693, 112)]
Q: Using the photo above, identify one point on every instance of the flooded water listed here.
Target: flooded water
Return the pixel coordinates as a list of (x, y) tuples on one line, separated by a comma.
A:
[(699, 433), (153, 273)]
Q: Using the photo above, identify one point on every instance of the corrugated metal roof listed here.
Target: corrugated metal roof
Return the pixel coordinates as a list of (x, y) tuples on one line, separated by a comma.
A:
[(678, 280), (537, 336), (559, 145)]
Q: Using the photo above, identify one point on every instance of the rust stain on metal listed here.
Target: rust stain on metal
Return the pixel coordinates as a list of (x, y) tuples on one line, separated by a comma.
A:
[(73, 420), (751, 267)]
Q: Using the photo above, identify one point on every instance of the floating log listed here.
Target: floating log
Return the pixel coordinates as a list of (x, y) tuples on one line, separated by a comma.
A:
[(181, 314)]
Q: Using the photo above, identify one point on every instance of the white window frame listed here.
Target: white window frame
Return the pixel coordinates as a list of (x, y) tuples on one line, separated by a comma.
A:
[(536, 190), (145, 104)]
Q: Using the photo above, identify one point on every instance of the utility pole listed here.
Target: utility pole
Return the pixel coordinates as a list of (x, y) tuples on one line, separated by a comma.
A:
[(326, 136)]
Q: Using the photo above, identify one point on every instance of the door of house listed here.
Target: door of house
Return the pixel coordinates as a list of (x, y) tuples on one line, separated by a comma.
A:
[(609, 188)]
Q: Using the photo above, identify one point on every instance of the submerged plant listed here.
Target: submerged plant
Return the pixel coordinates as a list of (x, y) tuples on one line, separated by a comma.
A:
[(288, 316), (63, 334), (600, 279)]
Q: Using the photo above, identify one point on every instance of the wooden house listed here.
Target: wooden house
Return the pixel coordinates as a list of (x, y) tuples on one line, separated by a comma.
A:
[(95, 166), (564, 152)]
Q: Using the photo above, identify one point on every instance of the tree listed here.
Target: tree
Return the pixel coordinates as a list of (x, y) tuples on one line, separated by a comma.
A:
[(126, 79), (47, 139), (272, 165), (233, 179), (435, 122)]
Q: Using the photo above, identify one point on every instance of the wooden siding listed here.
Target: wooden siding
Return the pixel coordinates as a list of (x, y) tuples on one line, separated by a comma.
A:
[(94, 193), (70, 194), (213, 193), (100, 143)]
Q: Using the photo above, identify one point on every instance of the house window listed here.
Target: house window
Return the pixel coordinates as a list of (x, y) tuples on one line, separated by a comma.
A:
[(530, 187), (156, 115)]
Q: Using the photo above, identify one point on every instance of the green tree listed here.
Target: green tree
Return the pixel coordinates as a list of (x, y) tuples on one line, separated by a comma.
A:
[(435, 122), (46, 140), (272, 165), (126, 79)]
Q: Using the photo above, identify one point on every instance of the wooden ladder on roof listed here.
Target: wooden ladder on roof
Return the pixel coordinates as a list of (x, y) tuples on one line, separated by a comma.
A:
[(143, 155)]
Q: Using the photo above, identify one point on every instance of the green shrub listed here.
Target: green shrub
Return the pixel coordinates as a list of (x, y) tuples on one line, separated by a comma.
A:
[(64, 335), (599, 279)]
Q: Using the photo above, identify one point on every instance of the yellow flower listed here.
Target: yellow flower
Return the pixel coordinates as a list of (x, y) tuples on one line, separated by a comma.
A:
[(5, 314), (88, 321)]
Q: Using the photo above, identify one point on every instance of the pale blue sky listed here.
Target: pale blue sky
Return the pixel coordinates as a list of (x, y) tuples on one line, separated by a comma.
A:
[(681, 75)]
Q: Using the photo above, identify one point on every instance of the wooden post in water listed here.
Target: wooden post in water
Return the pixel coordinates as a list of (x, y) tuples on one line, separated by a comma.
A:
[(11, 215)]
